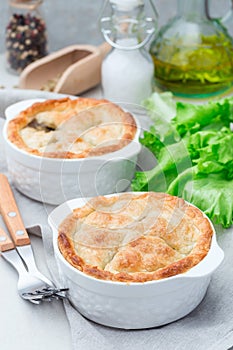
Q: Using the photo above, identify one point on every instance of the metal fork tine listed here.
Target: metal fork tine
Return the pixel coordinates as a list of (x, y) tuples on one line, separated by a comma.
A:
[(30, 287), (47, 292), (26, 282), (26, 254), (34, 301)]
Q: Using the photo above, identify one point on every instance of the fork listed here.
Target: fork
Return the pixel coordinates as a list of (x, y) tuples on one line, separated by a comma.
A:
[(27, 283), (32, 284)]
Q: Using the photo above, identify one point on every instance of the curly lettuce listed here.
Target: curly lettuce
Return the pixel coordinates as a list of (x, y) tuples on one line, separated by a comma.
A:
[(193, 146)]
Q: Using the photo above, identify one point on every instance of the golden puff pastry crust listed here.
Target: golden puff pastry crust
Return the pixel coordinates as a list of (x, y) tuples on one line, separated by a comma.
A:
[(66, 128), (135, 237)]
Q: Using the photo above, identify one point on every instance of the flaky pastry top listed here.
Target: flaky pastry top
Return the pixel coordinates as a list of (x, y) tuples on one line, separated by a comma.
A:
[(66, 128), (135, 237)]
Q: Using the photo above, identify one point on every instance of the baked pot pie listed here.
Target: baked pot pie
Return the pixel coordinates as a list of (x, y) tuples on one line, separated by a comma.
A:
[(69, 129), (135, 237)]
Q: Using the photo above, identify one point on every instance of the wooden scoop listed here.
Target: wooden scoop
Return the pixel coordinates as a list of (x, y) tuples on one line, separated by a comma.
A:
[(71, 70)]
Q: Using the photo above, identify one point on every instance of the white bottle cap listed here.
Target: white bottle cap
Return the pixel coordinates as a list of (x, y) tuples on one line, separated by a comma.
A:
[(127, 5)]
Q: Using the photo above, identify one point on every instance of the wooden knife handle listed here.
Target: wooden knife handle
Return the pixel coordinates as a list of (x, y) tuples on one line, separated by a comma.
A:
[(10, 213), (5, 242)]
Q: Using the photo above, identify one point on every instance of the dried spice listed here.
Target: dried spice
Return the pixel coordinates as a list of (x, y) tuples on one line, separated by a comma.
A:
[(51, 84), (26, 40)]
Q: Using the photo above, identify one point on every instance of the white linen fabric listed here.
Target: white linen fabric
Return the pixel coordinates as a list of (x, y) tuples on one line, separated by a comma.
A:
[(208, 327)]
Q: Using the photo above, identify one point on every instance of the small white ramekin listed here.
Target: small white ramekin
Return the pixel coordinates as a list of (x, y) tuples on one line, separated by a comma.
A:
[(54, 181), (133, 305)]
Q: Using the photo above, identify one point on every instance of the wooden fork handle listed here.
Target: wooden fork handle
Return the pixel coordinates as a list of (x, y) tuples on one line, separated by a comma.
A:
[(10, 213), (5, 242)]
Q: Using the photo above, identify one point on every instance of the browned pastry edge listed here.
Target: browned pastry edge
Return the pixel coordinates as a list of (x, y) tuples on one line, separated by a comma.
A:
[(200, 250), (79, 105)]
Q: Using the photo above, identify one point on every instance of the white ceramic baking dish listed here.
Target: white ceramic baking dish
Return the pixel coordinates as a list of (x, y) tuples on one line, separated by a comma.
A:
[(133, 305), (54, 181)]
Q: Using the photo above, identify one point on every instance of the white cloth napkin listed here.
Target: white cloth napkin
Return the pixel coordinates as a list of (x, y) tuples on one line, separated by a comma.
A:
[(208, 327)]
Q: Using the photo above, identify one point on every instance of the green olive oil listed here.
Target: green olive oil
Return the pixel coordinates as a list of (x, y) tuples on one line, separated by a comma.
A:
[(197, 69)]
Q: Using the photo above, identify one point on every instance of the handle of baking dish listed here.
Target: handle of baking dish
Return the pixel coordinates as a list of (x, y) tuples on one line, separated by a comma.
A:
[(14, 109), (210, 263)]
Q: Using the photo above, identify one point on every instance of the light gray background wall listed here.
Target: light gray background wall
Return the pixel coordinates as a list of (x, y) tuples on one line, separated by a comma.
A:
[(75, 21)]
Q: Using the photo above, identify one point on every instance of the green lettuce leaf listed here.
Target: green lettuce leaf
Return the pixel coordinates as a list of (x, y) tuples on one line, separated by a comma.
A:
[(172, 160), (161, 106), (213, 195), (194, 151), (213, 151), (176, 187), (161, 109), (192, 118)]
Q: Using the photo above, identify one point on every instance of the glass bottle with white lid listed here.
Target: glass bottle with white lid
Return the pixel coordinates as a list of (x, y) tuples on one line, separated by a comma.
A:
[(127, 72)]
